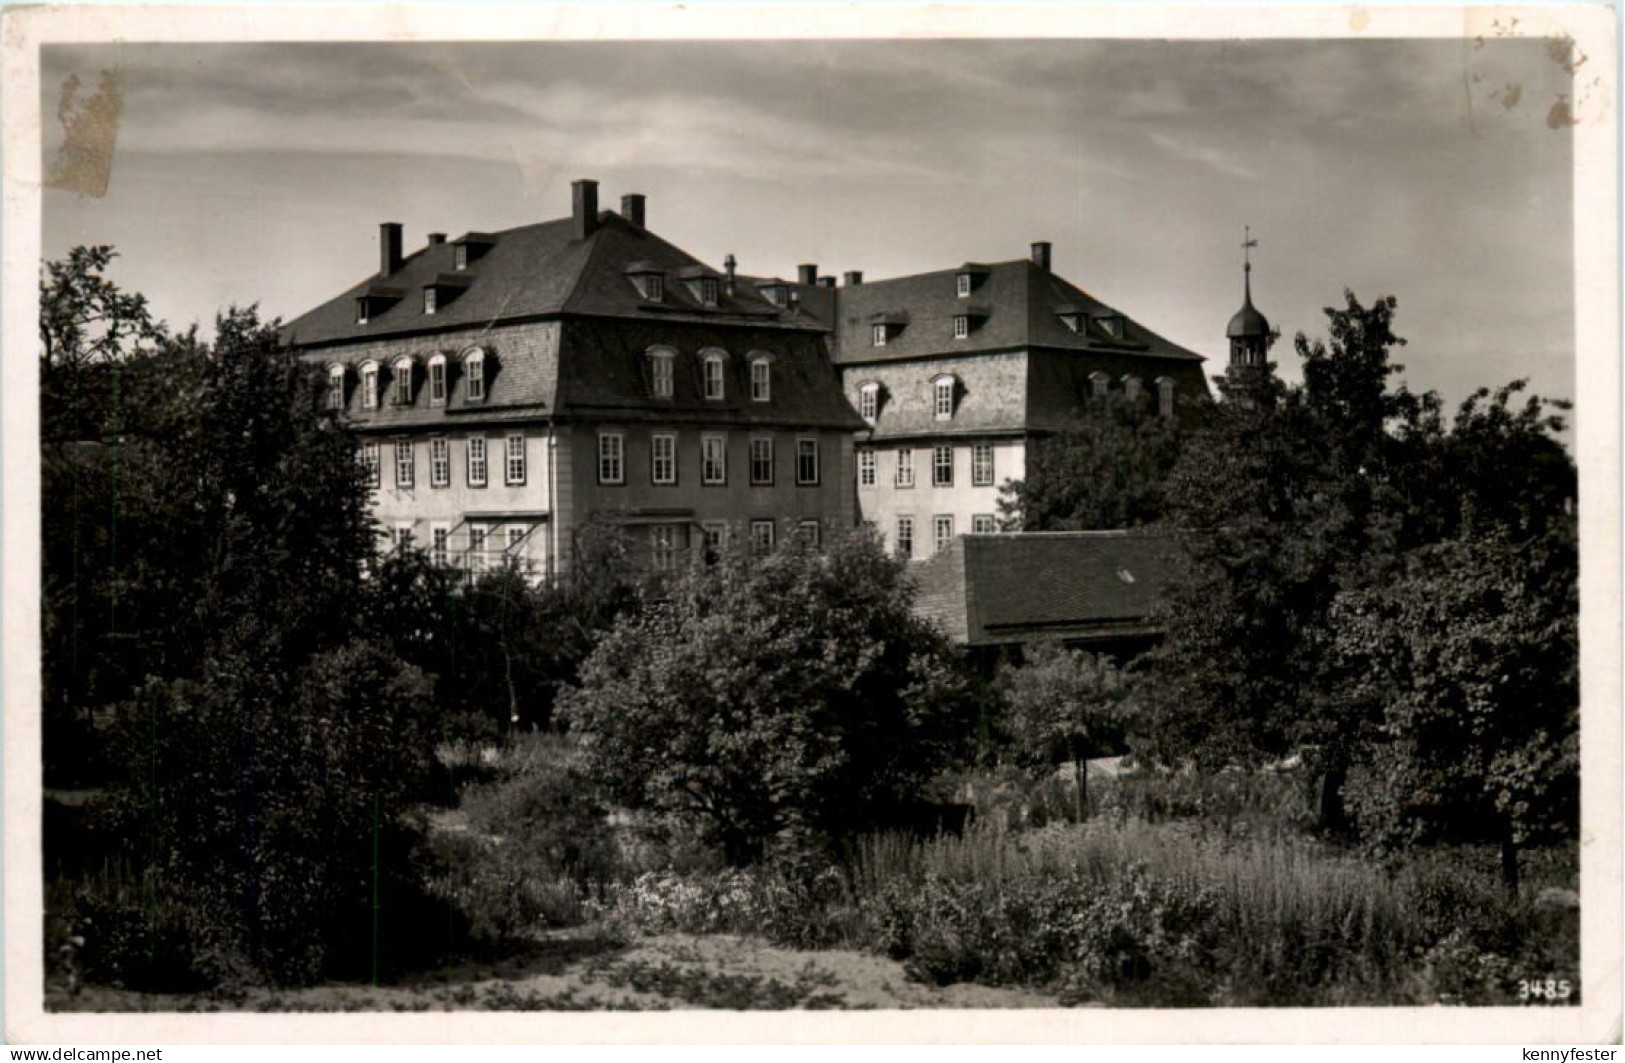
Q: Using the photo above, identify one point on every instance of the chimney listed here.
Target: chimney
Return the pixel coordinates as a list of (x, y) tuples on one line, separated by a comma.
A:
[(632, 208), (807, 273), (728, 264), (1041, 255), (389, 248), (584, 212), (436, 238), (854, 277), (826, 282)]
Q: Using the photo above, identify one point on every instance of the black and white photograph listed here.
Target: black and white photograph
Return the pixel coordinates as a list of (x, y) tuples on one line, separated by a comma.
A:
[(985, 518)]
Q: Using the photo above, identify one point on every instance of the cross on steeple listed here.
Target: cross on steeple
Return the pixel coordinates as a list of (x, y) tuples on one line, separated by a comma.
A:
[(1248, 242)]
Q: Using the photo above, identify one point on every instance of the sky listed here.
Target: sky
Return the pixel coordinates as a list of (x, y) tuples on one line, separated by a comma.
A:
[(1429, 170)]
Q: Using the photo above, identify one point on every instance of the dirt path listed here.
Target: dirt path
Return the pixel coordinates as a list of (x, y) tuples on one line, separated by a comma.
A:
[(576, 971)]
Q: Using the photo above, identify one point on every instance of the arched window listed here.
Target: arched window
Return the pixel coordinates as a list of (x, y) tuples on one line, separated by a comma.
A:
[(474, 375), (761, 378), (335, 387), (401, 386), (1132, 388), (369, 385), (662, 361), (943, 393), (869, 402), (711, 362), (437, 380), (1165, 396), (1100, 384)]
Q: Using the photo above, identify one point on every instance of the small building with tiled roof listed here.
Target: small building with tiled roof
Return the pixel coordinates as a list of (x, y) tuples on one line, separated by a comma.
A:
[(957, 372), (508, 387), (1096, 590)]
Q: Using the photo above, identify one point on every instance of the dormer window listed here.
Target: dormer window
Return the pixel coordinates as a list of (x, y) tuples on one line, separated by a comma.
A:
[(777, 294), (1073, 321), (711, 365), (969, 276), (869, 402), (469, 248), (459, 255), (335, 387), (361, 311), (878, 335), (1111, 324), (474, 375), (653, 286), (401, 391), (943, 390), (962, 283), (761, 380), (437, 380), (961, 326), (429, 300), (662, 361), (369, 385)]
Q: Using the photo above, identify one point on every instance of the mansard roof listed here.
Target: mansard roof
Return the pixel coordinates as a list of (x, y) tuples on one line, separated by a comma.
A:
[(529, 272), (1021, 305)]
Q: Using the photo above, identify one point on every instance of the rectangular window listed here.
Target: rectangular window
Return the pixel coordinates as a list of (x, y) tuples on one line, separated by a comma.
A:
[(360, 311), (437, 382), (516, 460), (869, 403), (808, 530), (611, 458), (761, 380), (660, 369), (439, 540), (964, 285), (439, 463), (708, 291), (942, 465), (663, 458), (981, 465), (478, 470), (476, 548), (716, 534), (516, 537), (663, 537), (713, 378), (405, 467), (371, 462), (961, 326), (335, 390), (905, 466), (654, 287), (879, 335), (806, 461), (942, 531), (428, 301), (983, 524), (761, 460), (761, 536), (369, 388), (905, 538), (459, 256), (713, 459), (403, 384), (402, 535), (943, 399), (474, 368), (866, 468)]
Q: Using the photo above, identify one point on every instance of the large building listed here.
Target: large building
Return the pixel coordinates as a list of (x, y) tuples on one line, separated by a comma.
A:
[(510, 387), (957, 373)]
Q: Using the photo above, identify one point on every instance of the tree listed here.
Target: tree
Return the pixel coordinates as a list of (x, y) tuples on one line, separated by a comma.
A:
[(769, 698), (1065, 705), (1470, 666), (1105, 469)]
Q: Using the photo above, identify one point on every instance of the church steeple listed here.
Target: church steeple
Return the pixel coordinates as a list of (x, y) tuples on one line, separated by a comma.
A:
[(1249, 331)]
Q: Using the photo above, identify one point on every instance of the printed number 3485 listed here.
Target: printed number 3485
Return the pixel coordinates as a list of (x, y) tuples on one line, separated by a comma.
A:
[(1547, 989)]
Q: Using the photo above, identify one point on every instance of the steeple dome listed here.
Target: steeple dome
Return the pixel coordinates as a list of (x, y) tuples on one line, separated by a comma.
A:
[(1249, 330)]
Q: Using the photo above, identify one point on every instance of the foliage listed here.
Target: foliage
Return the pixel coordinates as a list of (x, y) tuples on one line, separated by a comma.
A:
[(1104, 469), (786, 696), (1470, 664), (1064, 705)]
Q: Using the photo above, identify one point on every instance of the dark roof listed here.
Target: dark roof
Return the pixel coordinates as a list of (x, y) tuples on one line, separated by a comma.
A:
[(988, 589), (532, 271), (1248, 322), (1022, 303)]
